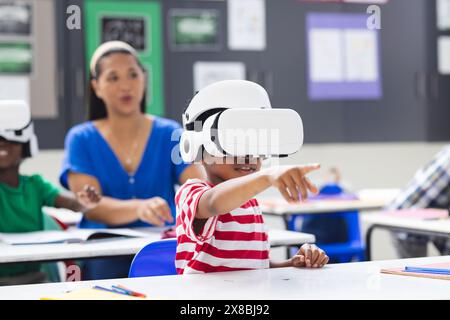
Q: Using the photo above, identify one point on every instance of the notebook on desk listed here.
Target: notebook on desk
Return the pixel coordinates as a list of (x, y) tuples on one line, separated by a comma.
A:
[(70, 236), (433, 271)]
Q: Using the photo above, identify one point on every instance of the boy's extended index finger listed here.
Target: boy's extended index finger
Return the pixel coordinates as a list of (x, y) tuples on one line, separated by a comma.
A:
[(308, 168)]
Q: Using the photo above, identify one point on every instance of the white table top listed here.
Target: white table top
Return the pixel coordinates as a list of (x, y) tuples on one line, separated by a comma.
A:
[(281, 207), (279, 237), (440, 225), (116, 247), (369, 199), (358, 281)]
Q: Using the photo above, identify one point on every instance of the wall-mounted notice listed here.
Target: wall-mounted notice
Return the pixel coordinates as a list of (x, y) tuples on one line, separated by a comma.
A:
[(349, 1), (15, 58), (132, 30), (206, 73), (343, 57), (443, 14), (15, 19), (444, 55), (15, 88), (247, 25), (194, 30)]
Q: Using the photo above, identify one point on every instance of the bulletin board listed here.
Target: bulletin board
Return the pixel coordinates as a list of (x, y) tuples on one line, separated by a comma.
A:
[(343, 56)]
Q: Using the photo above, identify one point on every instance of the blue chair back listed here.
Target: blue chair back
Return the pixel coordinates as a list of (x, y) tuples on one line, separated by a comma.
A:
[(155, 259), (331, 189), (353, 248)]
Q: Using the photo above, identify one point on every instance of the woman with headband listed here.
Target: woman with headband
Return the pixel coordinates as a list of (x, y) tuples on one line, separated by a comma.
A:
[(131, 157)]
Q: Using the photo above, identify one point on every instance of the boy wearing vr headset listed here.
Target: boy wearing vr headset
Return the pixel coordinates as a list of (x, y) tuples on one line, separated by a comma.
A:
[(22, 197), (230, 126)]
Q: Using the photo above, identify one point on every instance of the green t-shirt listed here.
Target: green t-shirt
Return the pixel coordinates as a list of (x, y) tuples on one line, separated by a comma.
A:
[(21, 211)]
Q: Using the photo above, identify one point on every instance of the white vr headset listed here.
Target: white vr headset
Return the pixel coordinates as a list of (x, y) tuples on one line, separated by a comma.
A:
[(16, 125), (234, 118)]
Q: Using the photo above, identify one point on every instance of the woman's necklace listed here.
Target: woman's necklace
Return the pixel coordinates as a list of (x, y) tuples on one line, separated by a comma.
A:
[(129, 155)]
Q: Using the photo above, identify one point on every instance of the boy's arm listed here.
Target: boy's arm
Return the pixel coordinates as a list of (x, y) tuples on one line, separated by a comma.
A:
[(87, 199), (229, 195), (67, 201)]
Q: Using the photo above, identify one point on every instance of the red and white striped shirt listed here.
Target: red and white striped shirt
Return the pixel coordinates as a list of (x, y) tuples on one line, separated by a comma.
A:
[(237, 240)]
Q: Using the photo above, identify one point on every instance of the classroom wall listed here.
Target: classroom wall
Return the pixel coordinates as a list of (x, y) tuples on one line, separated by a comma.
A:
[(367, 165), (414, 102), (407, 111), (372, 165)]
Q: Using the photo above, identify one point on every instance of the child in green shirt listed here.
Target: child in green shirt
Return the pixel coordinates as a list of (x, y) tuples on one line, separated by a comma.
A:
[(22, 197)]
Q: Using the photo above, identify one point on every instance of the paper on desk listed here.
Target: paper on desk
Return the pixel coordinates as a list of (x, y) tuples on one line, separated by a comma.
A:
[(71, 236)]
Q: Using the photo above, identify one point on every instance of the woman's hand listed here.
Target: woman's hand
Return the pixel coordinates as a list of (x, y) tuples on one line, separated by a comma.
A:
[(154, 211), (309, 256), (291, 181)]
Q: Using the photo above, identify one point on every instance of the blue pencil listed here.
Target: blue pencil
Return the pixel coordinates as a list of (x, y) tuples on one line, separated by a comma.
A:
[(110, 290), (428, 270)]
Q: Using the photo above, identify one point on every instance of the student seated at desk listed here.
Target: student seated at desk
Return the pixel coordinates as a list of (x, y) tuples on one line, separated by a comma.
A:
[(22, 197), (429, 188), (220, 226)]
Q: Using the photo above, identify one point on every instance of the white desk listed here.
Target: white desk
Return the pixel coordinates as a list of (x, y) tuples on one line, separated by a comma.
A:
[(439, 227), (358, 281), (283, 209), (116, 247)]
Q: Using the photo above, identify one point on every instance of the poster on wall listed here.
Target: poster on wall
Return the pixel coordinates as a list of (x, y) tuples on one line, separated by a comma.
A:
[(443, 14), (349, 1), (366, 1), (15, 19), (343, 57), (132, 30), (15, 58), (194, 30), (247, 25), (15, 88), (206, 73), (444, 55)]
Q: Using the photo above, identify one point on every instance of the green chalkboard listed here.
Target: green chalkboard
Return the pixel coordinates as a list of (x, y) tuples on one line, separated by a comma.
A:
[(137, 23)]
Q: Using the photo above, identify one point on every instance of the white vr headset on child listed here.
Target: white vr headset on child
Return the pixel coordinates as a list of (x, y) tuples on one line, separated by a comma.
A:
[(234, 118), (16, 125)]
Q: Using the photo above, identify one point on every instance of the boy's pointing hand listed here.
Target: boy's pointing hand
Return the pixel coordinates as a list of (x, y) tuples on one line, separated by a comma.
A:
[(292, 182)]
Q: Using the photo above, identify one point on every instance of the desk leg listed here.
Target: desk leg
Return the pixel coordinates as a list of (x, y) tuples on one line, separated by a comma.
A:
[(369, 242), (397, 229), (286, 219)]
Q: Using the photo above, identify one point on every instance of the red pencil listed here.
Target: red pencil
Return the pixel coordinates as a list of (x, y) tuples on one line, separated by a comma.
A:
[(133, 293)]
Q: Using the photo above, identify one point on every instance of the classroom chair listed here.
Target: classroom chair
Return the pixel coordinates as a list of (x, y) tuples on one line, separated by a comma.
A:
[(155, 259), (55, 271), (348, 246)]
